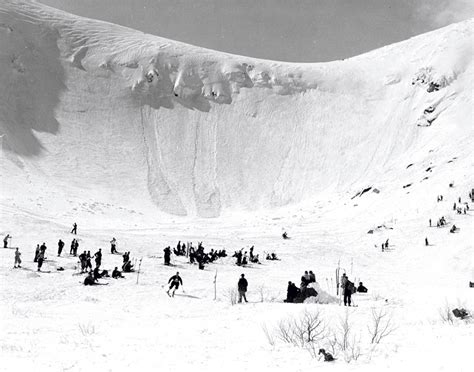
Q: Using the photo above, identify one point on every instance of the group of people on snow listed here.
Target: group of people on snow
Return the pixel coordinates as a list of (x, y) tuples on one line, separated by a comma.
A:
[(245, 258)]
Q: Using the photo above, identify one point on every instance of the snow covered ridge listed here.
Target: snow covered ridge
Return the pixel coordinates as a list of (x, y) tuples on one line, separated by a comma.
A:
[(197, 132)]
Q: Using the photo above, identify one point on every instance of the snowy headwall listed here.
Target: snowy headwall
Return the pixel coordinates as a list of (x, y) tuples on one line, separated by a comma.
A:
[(90, 105)]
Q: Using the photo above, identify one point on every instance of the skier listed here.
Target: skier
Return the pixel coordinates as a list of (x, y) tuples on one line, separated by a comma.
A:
[(285, 235), (454, 206), (98, 258), (71, 251), (37, 252), (5, 240), (312, 277), (242, 287), (17, 259), (113, 246), (40, 259), (60, 247), (175, 281), (426, 242), (167, 256), (430, 222), (74, 229)]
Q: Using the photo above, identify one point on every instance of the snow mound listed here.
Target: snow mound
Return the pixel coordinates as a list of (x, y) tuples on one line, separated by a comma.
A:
[(322, 298)]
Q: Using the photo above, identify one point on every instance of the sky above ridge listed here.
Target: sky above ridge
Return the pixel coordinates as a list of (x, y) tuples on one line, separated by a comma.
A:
[(284, 30)]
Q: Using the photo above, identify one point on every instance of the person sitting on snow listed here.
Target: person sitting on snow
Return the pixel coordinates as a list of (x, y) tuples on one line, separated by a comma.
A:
[(292, 292), (90, 280), (116, 273)]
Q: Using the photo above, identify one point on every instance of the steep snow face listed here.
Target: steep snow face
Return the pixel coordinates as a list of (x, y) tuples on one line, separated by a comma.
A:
[(90, 108)]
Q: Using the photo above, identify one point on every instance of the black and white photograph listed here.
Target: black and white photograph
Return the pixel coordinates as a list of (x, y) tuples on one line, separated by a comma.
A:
[(236, 185)]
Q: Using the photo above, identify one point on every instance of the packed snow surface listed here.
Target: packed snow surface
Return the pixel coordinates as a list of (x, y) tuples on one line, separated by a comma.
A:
[(154, 141)]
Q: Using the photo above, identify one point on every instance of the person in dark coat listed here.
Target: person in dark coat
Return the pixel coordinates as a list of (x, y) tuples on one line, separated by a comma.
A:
[(90, 280), (98, 258), (88, 260), (74, 229), (174, 282), (116, 273), (76, 247), (361, 288), (60, 247), (292, 292), (167, 256), (83, 261), (5, 240), (43, 249), (239, 257), (347, 287), (242, 287)]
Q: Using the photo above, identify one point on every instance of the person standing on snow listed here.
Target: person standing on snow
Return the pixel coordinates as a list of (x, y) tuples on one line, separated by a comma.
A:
[(242, 287), (175, 281), (60, 247), (5, 240), (76, 246), (37, 252), (83, 260), (347, 287), (88, 260), (17, 259), (98, 258), (40, 259), (113, 246), (167, 255), (74, 229)]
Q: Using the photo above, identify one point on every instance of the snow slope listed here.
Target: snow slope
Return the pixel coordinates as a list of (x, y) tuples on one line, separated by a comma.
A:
[(139, 137), (198, 132)]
